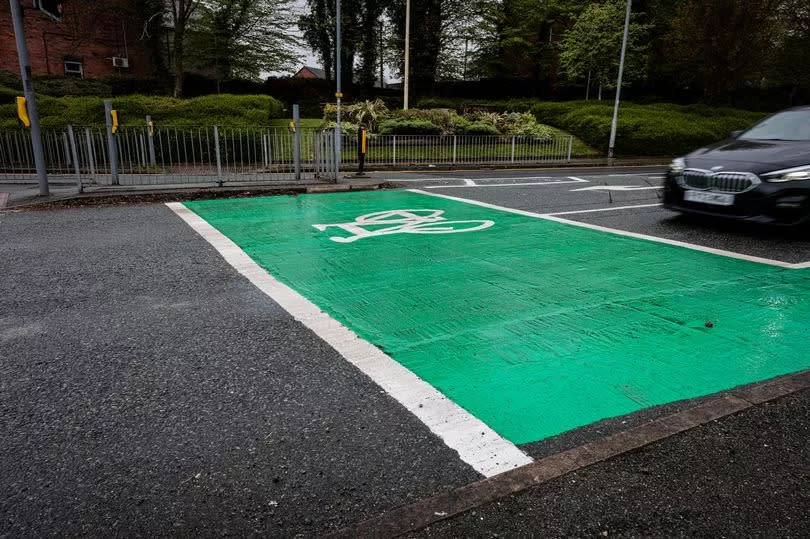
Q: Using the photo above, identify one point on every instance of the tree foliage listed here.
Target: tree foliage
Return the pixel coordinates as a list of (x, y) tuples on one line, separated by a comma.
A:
[(242, 38), (591, 49)]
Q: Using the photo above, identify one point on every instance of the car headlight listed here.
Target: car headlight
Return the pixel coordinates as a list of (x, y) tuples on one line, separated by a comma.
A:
[(788, 175), (677, 166)]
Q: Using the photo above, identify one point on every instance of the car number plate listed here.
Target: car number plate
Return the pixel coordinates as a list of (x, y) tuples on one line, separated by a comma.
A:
[(718, 199)]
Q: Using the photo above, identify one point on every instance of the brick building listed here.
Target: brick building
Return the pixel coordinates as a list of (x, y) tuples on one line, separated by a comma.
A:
[(94, 39)]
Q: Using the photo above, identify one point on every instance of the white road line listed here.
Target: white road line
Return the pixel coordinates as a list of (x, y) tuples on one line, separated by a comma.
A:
[(694, 247), (553, 181), (604, 209), (562, 182), (476, 443), (617, 188)]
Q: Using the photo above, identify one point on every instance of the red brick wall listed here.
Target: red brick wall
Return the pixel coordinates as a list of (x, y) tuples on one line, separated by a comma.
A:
[(90, 32)]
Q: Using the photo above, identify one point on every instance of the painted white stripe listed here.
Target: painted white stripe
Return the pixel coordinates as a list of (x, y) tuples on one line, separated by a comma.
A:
[(685, 245), (476, 443), (605, 209), (560, 182)]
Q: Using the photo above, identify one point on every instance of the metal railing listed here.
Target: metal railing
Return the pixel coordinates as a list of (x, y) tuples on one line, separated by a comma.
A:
[(416, 150), (173, 154)]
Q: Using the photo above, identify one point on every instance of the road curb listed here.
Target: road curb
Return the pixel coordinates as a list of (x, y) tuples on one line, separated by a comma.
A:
[(460, 500), (104, 197)]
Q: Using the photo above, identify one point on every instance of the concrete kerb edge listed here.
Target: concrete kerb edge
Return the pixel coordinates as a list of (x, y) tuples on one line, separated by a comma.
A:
[(452, 503), (181, 193)]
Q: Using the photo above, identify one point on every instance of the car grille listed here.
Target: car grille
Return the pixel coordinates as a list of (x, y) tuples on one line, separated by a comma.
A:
[(725, 182)]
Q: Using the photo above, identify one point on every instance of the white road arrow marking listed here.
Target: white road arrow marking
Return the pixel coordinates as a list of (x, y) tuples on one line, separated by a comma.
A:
[(616, 188)]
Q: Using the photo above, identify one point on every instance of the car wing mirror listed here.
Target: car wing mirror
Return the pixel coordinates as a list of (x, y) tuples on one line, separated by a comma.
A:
[(735, 134)]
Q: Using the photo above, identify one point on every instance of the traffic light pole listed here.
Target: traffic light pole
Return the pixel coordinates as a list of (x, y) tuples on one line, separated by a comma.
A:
[(30, 97)]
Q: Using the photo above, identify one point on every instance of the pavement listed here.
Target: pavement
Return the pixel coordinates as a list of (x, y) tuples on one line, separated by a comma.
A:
[(147, 388)]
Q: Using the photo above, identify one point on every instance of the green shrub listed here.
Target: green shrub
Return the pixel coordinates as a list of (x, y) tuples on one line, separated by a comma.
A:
[(8, 95), (347, 128), (657, 129), (406, 126), (446, 119), (224, 110), (368, 113), (479, 128)]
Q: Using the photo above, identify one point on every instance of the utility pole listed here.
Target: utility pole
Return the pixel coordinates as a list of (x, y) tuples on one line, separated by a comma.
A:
[(338, 93), (30, 97), (612, 144), (406, 79), (382, 57)]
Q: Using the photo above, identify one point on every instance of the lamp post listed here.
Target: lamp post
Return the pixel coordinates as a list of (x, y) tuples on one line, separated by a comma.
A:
[(406, 79), (338, 92), (612, 144)]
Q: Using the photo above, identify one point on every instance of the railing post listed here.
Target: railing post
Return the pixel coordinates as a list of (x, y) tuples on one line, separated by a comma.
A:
[(297, 142), (513, 149), (454, 149), (219, 161), (150, 134), (91, 153), (394, 162), (111, 144), (72, 139), (570, 146)]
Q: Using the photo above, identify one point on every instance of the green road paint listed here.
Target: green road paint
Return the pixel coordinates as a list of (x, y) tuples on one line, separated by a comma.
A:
[(534, 326)]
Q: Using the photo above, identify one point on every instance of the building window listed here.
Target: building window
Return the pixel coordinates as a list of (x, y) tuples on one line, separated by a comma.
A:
[(74, 69)]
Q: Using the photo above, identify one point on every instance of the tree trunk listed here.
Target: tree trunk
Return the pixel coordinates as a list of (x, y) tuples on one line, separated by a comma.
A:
[(179, 36), (600, 91), (588, 87)]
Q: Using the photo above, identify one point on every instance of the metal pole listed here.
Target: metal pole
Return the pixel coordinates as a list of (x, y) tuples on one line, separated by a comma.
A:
[(30, 97), (111, 145), (297, 142), (338, 91), (406, 79), (151, 139), (91, 154), (219, 161), (612, 144), (75, 153)]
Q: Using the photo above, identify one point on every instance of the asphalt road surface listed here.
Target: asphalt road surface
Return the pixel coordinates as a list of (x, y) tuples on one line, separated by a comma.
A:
[(147, 388)]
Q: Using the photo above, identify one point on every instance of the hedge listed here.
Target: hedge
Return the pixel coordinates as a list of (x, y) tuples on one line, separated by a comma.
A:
[(659, 129), (224, 109), (409, 126)]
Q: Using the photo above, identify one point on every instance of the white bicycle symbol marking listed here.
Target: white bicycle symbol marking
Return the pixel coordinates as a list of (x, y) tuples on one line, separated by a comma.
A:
[(403, 222)]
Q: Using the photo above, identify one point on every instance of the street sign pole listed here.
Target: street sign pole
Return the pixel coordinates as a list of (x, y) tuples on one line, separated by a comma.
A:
[(30, 97), (612, 144), (338, 93)]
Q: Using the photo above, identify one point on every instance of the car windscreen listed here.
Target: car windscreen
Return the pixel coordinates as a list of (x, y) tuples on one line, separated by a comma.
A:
[(787, 125)]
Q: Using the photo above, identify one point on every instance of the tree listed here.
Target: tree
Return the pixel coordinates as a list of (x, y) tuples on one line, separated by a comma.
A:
[(359, 33), (181, 12), (242, 38), (723, 45), (521, 38), (317, 28), (592, 47), (791, 64)]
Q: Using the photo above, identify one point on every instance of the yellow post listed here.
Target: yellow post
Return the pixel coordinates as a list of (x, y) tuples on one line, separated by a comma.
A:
[(114, 116), (22, 111)]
